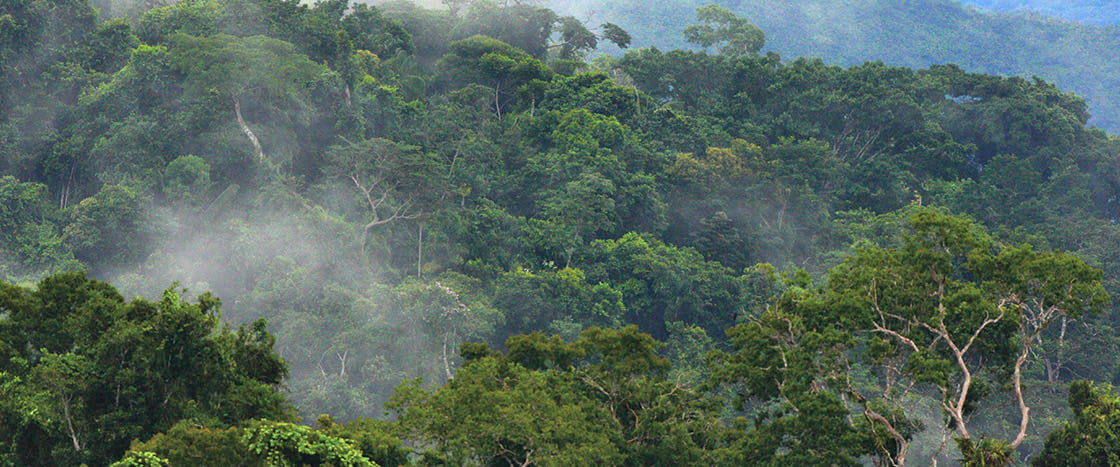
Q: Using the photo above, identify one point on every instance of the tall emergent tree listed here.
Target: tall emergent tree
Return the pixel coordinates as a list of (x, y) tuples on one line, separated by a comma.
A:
[(953, 306), (730, 34), (394, 181), (951, 312)]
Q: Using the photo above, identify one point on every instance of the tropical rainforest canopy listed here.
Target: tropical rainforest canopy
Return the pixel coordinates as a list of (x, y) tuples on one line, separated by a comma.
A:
[(1027, 38), (264, 232)]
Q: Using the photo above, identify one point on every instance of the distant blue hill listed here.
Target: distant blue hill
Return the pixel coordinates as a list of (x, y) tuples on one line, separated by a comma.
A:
[(1099, 12)]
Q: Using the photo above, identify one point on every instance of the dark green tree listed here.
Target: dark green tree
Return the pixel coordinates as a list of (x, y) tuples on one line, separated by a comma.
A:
[(1092, 436), (603, 398), (85, 372), (497, 65)]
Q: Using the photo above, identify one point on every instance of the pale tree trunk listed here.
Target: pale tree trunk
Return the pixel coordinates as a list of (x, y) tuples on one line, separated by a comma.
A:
[(955, 395), (375, 203), (64, 195), (1036, 317), (446, 361), (940, 447), (257, 150), (497, 100), (1054, 366), (70, 424), (898, 459), (1024, 411), (956, 410)]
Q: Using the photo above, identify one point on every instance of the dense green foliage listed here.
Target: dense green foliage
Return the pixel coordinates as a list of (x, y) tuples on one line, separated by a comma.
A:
[(272, 443), (1077, 57), (604, 399), (84, 373), (530, 258), (1092, 438)]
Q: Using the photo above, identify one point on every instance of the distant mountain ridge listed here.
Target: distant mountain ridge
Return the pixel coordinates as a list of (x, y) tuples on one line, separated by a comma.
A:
[(1100, 12), (1079, 58)]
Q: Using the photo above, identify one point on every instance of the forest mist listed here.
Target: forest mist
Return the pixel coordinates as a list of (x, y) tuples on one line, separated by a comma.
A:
[(611, 241)]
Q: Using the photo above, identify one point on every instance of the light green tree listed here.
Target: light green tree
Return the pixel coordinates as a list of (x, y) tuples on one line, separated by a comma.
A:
[(728, 33), (284, 444)]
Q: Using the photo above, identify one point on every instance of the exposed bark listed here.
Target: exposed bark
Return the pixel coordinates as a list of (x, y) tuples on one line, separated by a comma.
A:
[(257, 150), (446, 361), (497, 100), (70, 424), (64, 195), (956, 410), (1024, 411), (319, 364), (1036, 317), (898, 459), (1054, 366), (955, 395), (375, 203), (940, 447)]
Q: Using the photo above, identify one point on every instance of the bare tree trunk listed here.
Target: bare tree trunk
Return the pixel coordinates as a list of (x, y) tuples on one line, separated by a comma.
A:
[(940, 447), (1054, 370), (365, 237), (497, 100), (446, 362), (956, 411), (245, 129), (70, 424), (342, 362), (898, 459), (64, 192), (322, 370), (1024, 411), (1036, 318)]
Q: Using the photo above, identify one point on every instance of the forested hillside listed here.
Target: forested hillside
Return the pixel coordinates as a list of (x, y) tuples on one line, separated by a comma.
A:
[(1100, 12), (461, 236), (1079, 58)]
